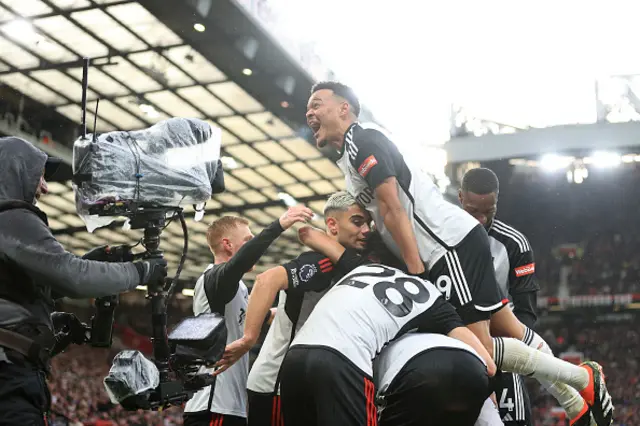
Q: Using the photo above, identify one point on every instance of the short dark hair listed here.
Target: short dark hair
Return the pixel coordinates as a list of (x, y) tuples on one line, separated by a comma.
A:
[(341, 90), (480, 181)]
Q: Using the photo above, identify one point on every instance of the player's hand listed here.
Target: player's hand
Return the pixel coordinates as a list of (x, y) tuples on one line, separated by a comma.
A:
[(417, 268), (296, 214), (232, 353)]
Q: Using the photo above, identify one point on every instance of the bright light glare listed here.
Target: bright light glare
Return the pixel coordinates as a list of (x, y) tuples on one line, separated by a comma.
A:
[(229, 163), (19, 29), (604, 159), (189, 156), (288, 199), (558, 90), (198, 27), (149, 110), (552, 162), (187, 292), (247, 71)]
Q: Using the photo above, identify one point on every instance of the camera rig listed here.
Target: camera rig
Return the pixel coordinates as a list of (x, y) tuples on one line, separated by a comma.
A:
[(174, 375)]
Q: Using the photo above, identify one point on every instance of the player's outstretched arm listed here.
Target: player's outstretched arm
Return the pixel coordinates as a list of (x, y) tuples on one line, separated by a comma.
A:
[(320, 242), (263, 294), (397, 222)]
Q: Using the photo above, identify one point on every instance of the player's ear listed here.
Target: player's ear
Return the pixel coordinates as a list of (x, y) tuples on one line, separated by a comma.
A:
[(332, 225), (226, 244), (344, 109), (460, 195)]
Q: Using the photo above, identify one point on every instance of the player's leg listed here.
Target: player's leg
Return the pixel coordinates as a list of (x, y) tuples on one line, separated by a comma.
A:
[(227, 420), (344, 395), (466, 277), (325, 389), (489, 415), (515, 356), (296, 390), (265, 409), (505, 323), (513, 400), (200, 418), (437, 387), (205, 418)]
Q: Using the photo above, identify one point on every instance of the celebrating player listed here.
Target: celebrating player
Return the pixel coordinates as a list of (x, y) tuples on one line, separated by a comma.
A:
[(300, 284), (515, 270), (326, 377), (220, 289), (427, 379), (431, 234)]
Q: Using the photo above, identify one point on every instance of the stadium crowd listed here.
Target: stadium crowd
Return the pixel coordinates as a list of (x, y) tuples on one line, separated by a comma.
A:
[(79, 398), (615, 346)]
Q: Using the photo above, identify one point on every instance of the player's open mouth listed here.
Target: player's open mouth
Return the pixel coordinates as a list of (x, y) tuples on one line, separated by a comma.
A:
[(315, 128)]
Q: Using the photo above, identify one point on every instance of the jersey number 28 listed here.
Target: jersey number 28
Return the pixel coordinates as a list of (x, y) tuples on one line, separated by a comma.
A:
[(416, 292)]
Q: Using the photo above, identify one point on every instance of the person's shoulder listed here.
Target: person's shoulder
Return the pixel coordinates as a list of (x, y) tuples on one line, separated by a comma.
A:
[(363, 134), (21, 219), (509, 236)]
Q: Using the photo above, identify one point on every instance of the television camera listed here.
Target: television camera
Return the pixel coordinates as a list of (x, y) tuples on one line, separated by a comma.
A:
[(146, 176)]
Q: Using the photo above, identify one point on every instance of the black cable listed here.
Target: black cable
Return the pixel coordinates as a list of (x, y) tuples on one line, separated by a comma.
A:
[(185, 250)]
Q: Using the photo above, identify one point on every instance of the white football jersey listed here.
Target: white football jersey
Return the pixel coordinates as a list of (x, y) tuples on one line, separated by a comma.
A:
[(394, 357), (368, 308), (263, 377), (230, 394), (368, 158)]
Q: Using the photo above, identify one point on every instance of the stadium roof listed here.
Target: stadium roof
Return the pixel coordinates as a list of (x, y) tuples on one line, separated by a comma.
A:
[(144, 70)]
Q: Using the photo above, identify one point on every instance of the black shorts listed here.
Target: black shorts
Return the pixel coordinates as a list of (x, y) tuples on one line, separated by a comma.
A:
[(319, 387), (265, 409), (442, 386), (466, 277), (513, 400), (205, 418)]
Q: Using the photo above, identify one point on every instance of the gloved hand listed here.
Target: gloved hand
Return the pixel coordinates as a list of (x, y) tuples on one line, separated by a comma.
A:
[(64, 322), (97, 253), (121, 253), (152, 271)]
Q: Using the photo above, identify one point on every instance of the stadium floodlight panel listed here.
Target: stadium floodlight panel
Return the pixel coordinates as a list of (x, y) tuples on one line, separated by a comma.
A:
[(604, 159), (553, 162)]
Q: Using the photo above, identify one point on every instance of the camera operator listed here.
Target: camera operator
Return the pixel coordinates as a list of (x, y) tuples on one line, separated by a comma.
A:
[(35, 270), (221, 290)]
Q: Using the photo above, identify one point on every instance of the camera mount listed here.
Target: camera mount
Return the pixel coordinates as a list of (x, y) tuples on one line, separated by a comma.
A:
[(174, 375)]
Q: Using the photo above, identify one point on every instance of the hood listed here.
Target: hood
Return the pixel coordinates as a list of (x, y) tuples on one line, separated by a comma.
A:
[(21, 167)]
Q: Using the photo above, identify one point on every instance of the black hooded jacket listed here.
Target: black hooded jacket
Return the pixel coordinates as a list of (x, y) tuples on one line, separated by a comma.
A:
[(32, 262)]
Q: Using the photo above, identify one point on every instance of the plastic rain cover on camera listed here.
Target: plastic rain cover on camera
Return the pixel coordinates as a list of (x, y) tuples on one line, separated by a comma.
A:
[(130, 374), (169, 164)]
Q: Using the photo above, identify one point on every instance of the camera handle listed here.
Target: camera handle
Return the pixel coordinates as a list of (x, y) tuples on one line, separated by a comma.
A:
[(157, 296)]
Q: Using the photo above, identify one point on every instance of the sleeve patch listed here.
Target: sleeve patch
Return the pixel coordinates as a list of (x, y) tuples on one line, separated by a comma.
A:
[(307, 272), (367, 165), (524, 270)]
